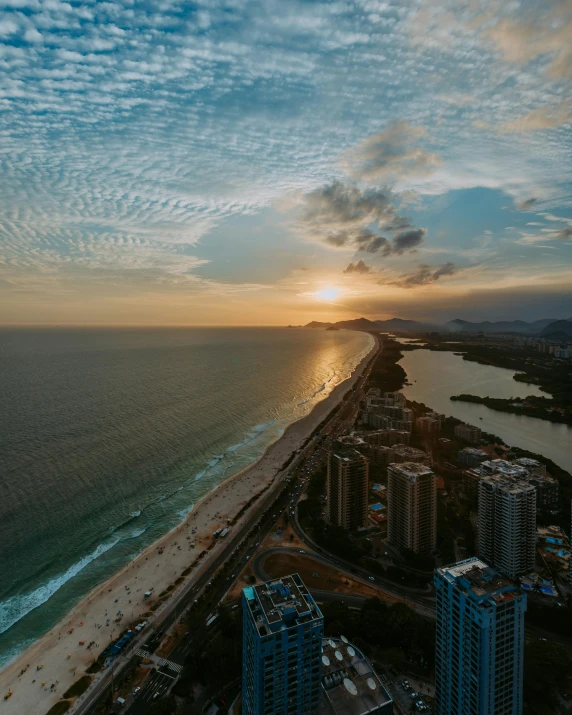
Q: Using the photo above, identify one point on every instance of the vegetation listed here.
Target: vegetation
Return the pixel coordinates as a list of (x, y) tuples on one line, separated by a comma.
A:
[(79, 687), (59, 708), (379, 625), (219, 660), (165, 706), (546, 669), (540, 407), (386, 374)]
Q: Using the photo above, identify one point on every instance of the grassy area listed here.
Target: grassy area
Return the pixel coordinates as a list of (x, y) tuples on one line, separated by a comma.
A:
[(59, 708), (79, 687), (328, 578)]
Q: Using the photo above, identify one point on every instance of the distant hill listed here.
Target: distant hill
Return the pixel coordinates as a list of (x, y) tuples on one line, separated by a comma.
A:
[(392, 325), (541, 328), (502, 326), (558, 330)]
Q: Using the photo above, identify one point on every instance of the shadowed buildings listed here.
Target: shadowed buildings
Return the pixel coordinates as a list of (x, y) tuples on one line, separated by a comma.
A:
[(479, 643), (412, 507)]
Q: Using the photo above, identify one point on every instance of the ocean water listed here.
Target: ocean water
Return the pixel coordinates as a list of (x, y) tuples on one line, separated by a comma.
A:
[(108, 438)]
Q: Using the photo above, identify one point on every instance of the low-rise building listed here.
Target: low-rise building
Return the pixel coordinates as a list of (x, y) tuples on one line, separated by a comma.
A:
[(471, 457), (350, 685)]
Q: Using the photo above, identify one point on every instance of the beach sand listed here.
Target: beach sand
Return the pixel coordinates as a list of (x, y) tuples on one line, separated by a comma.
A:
[(157, 567)]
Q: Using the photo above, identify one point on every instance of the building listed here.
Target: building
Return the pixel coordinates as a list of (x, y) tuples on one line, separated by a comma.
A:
[(479, 649), (282, 642), (427, 425), (386, 437), (531, 471), (469, 433), (471, 479), (350, 685), (507, 524), (471, 457), (404, 453), (411, 507), (347, 487)]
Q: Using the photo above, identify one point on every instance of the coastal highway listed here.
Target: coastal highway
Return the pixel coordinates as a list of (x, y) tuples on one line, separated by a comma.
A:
[(242, 539)]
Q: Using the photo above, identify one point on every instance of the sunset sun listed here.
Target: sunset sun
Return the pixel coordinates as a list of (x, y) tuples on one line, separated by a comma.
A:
[(328, 294)]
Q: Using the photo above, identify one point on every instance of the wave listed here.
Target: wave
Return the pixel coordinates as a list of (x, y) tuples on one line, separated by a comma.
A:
[(15, 608), (184, 512), (135, 514)]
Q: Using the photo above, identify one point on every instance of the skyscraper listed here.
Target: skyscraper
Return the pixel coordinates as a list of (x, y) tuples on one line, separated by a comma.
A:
[(480, 641), (507, 524), (412, 507), (282, 641), (347, 487)]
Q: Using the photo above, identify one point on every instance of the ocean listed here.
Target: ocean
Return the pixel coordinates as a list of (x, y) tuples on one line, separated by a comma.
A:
[(108, 437)]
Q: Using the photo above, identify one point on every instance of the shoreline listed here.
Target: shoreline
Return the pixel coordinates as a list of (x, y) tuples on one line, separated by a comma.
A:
[(99, 615)]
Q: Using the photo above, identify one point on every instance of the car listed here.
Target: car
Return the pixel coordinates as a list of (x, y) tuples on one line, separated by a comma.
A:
[(414, 695), (247, 558), (136, 692), (302, 551), (371, 578)]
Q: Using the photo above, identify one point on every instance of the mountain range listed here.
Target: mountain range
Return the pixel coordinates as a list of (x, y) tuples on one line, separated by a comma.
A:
[(546, 328)]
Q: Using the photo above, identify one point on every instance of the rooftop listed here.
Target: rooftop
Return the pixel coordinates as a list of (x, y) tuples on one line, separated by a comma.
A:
[(411, 470), (350, 685), (480, 581), (281, 603)]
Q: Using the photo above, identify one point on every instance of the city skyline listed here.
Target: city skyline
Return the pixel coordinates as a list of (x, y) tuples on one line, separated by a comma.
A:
[(235, 163)]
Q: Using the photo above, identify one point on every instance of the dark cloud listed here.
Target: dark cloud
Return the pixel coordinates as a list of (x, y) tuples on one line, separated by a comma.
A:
[(527, 205), (564, 234), (349, 217), (408, 240), (425, 275), (358, 267)]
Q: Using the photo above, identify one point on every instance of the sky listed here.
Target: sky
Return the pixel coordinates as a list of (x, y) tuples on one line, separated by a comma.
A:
[(237, 162)]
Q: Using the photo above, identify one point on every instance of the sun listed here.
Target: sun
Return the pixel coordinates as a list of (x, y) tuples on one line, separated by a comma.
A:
[(328, 294)]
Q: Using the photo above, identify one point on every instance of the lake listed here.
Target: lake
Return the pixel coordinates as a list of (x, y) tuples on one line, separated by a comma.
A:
[(435, 376)]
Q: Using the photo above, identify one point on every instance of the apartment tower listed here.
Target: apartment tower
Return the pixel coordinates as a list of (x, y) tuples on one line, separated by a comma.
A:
[(347, 487), (507, 524), (282, 644), (480, 641), (412, 507)]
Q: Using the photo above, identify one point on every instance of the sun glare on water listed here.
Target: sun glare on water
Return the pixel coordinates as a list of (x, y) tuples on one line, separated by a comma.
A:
[(327, 293)]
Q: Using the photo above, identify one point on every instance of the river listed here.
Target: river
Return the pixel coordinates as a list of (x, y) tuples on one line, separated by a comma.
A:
[(435, 376)]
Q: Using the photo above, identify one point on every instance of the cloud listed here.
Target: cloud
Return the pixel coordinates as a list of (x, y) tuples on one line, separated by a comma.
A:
[(348, 217), (408, 240), (564, 234), (527, 204), (358, 267), (425, 275), (537, 119), (547, 35), (391, 155)]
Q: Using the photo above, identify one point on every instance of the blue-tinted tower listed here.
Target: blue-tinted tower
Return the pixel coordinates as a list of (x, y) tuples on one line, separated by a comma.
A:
[(480, 641), (282, 645)]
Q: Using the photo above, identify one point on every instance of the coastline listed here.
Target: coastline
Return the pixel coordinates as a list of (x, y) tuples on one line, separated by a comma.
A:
[(189, 544)]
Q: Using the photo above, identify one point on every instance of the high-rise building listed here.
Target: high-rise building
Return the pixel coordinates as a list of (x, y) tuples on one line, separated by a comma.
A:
[(282, 643), (347, 487), (468, 432), (412, 507), (479, 642), (507, 524)]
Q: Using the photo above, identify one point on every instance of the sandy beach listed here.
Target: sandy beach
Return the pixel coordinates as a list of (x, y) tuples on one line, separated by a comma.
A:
[(40, 676)]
